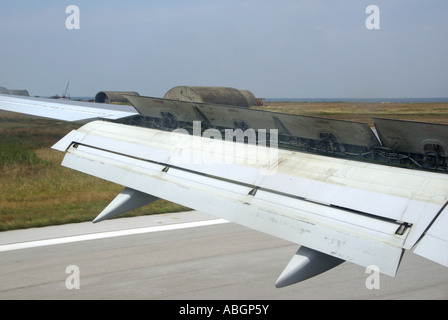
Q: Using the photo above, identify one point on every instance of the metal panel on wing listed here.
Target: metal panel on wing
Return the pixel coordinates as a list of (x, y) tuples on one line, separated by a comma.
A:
[(412, 136), (223, 116)]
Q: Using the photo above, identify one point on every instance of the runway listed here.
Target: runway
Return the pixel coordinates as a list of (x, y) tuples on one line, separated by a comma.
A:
[(187, 255)]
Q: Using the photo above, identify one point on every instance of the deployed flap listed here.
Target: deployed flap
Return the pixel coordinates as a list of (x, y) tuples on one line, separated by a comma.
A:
[(127, 200), (306, 263), (358, 212)]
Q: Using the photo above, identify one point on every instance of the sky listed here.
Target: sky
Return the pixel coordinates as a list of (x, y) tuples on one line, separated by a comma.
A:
[(274, 48)]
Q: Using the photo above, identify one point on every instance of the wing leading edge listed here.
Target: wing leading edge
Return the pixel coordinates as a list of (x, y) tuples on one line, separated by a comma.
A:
[(338, 210), (72, 111)]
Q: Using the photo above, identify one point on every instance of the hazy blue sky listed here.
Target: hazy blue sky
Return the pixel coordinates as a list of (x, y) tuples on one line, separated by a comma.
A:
[(275, 48)]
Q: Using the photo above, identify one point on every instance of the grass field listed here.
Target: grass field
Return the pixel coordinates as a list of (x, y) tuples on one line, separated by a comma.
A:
[(35, 190), (364, 112)]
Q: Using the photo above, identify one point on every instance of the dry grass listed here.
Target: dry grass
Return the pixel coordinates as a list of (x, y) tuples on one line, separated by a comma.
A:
[(364, 112), (49, 194), (39, 191)]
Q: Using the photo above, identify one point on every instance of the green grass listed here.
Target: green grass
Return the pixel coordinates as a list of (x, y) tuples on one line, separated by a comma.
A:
[(14, 152), (36, 191)]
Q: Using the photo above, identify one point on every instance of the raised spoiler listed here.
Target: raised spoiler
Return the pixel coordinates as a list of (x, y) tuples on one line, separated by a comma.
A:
[(337, 210)]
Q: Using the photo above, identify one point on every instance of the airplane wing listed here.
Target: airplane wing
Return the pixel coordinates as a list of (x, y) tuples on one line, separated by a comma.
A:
[(339, 210), (72, 111), (336, 209)]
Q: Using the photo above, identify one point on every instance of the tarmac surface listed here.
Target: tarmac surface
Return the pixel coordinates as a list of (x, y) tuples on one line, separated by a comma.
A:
[(188, 256)]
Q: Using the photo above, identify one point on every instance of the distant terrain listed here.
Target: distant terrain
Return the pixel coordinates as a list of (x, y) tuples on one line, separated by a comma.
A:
[(364, 112)]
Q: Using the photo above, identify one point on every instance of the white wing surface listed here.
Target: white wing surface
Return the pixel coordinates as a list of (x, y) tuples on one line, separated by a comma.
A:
[(72, 111)]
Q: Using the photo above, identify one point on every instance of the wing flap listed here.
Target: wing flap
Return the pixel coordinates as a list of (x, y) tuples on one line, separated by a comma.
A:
[(231, 201), (250, 194), (409, 196)]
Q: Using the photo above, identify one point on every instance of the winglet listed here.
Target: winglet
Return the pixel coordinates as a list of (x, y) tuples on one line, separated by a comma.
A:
[(306, 263), (127, 200)]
